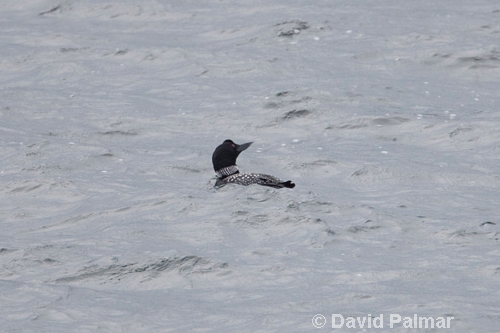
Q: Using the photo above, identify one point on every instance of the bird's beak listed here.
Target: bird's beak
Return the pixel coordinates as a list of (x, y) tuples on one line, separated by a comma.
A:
[(244, 146)]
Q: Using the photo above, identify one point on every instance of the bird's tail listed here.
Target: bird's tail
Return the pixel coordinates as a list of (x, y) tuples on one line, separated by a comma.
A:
[(287, 184)]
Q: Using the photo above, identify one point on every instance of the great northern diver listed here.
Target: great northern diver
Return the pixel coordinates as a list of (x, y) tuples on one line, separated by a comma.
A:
[(224, 161)]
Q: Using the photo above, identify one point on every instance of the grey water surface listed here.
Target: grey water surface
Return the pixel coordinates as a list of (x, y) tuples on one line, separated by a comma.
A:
[(384, 113)]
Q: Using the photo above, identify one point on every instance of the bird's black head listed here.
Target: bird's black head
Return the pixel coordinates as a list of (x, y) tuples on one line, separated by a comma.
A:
[(226, 154)]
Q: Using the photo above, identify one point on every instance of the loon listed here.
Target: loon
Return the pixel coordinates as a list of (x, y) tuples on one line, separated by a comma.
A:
[(224, 161)]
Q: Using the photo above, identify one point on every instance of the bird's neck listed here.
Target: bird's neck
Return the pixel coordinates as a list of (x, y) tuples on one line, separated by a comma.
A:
[(227, 171)]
